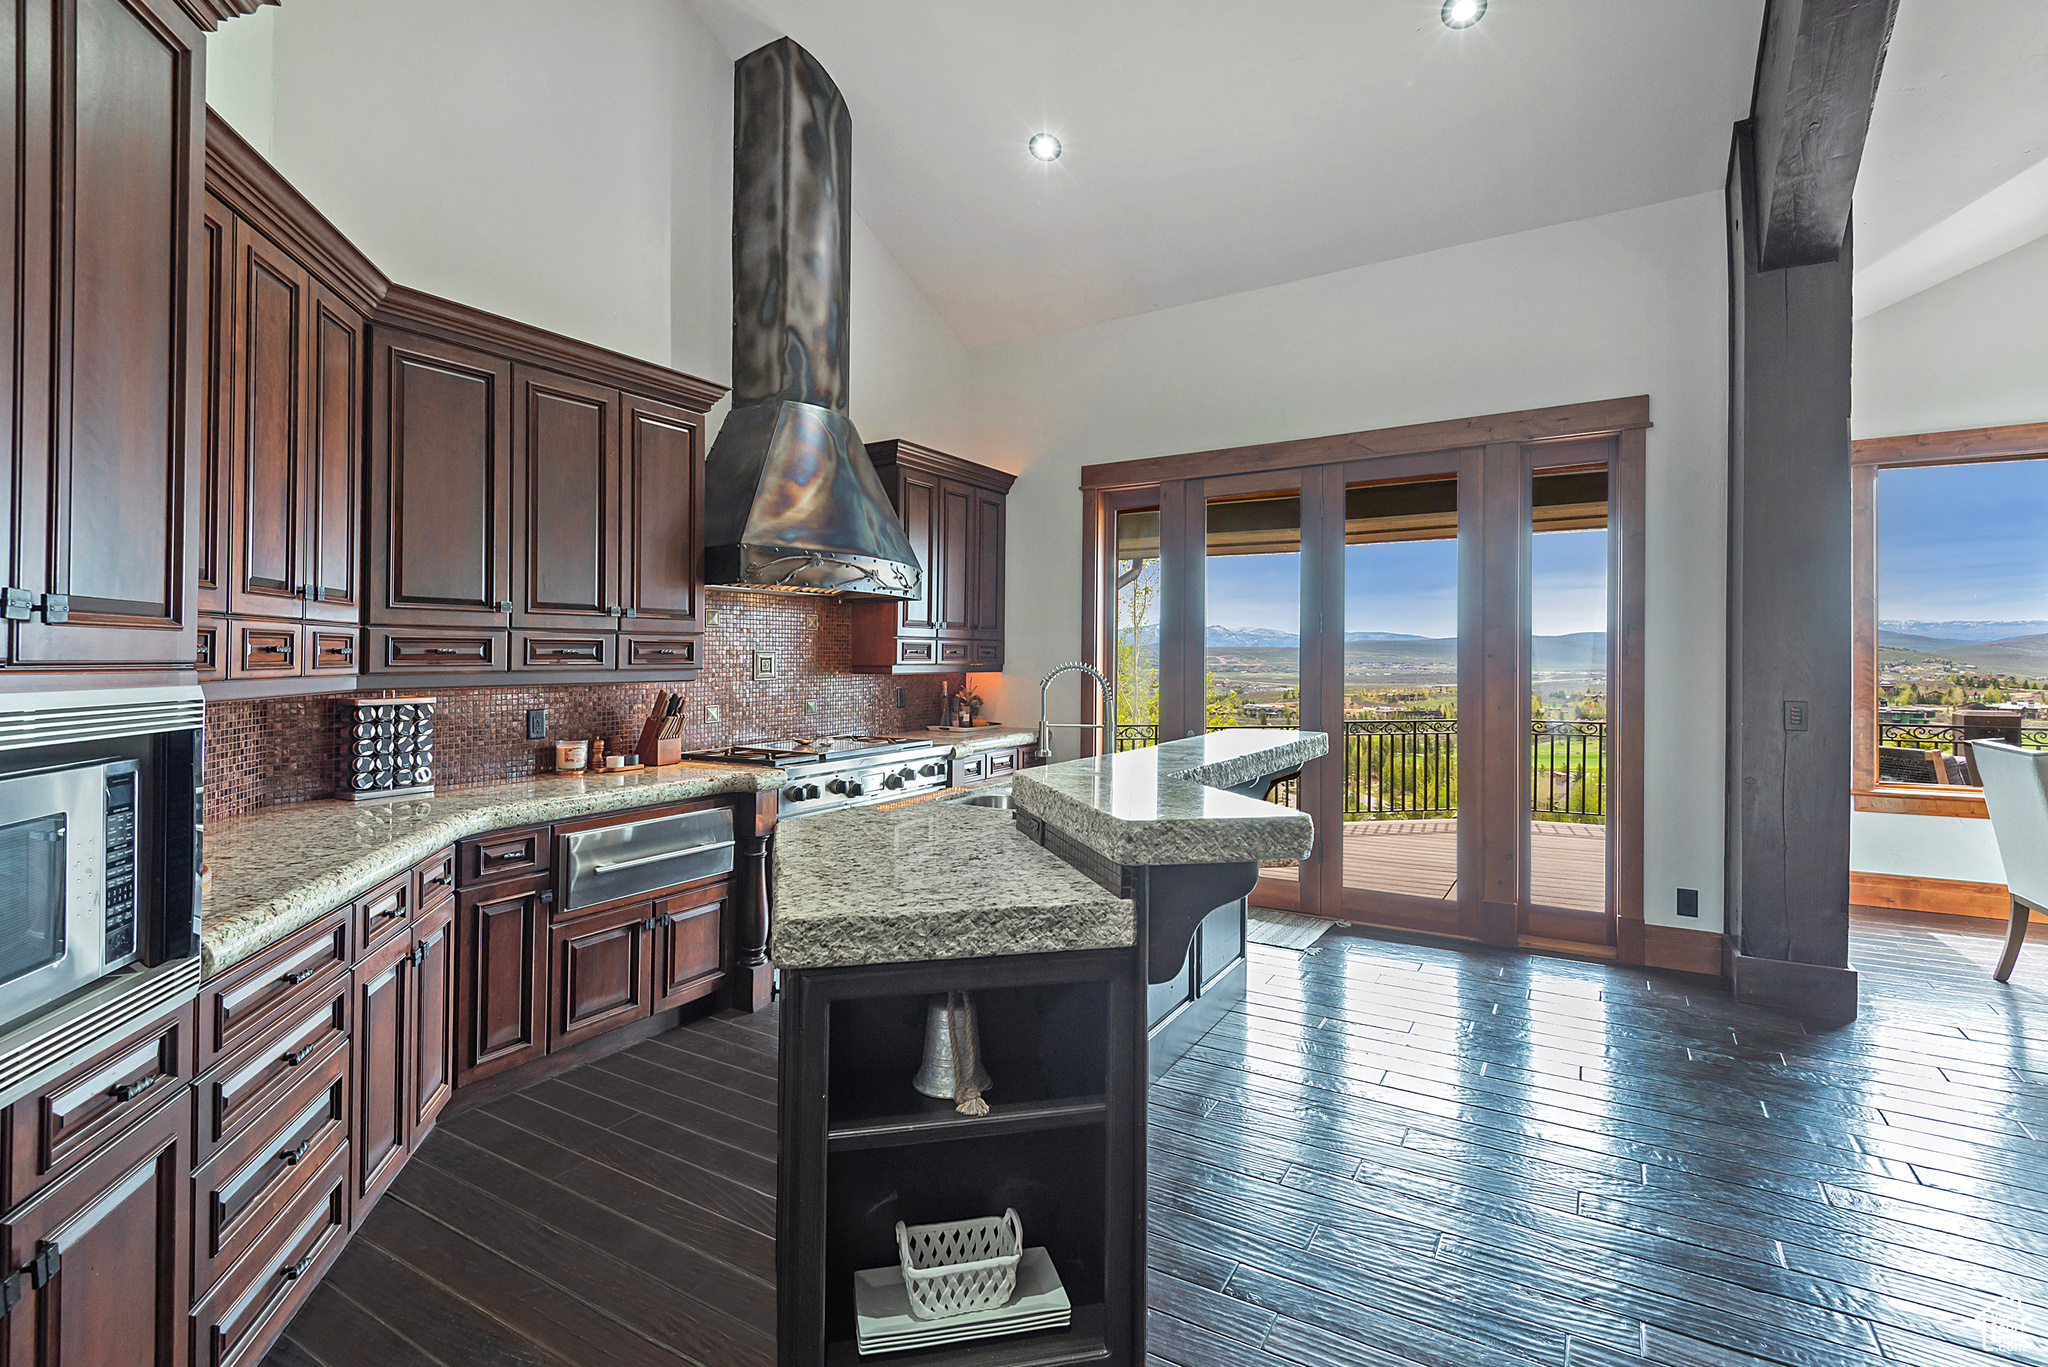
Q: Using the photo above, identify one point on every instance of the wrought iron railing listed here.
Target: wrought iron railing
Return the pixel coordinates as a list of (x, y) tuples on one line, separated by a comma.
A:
[(1947, 735), (1407, 768), (1941, 738)]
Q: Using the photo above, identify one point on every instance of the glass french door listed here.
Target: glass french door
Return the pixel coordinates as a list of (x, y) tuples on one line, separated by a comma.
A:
[(1449, 620)]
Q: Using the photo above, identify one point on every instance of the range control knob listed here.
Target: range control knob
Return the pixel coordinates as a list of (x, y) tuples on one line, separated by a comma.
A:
[(839, 785), (853, 789), (893, 781), (928, 770), (906, 773), (811, 792)]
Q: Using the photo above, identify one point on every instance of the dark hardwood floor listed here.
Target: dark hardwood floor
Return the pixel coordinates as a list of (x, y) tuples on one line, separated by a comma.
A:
[(1397, 1153)]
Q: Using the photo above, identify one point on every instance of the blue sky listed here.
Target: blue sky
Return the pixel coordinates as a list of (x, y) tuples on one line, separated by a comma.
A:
[(1411, 587), (1963, 542)]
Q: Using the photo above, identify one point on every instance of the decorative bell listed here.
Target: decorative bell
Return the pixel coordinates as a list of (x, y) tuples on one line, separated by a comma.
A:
[(952, 1069)]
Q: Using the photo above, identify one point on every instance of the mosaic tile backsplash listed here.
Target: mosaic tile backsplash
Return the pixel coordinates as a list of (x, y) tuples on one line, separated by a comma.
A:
[(263, 752)]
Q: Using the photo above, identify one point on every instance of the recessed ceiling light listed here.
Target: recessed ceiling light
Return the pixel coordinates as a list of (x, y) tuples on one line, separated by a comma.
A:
[(1046, 147), (1463, 13)]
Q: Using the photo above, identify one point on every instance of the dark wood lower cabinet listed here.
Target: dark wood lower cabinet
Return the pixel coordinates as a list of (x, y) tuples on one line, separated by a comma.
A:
[(500, 979), (107, 1253), (689, 942), (383, 1022), (602, 967), (432, 1046)]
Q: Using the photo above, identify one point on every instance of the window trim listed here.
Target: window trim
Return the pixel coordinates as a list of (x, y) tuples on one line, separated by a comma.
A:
[(1867, 458)]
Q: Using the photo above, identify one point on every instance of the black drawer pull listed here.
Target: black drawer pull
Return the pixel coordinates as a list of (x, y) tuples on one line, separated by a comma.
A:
[(297, 1269), (268, 650), (128, 1091), (294, 1057), (569, 653), (291, 1157), (668, 652), (294, 979), (397, 909), (508, 856), (443, 650)]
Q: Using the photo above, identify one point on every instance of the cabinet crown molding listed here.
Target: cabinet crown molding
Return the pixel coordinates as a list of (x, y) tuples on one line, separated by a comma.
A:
[(239, 176), (211, 14), (417, 311), (897, 451)]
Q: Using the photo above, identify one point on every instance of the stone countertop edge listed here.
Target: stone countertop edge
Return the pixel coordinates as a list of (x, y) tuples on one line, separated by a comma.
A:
[(975, 742), (278, 869), (1166, 804), (929, 881)]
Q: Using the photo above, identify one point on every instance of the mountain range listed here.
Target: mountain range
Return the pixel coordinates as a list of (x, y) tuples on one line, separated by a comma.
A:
[(1961, 631), (1266, 636)]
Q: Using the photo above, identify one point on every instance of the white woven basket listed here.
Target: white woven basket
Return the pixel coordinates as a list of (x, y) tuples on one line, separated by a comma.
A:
[(958, 1268)]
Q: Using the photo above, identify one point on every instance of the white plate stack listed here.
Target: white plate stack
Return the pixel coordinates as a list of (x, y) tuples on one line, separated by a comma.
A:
[(885, 1324)]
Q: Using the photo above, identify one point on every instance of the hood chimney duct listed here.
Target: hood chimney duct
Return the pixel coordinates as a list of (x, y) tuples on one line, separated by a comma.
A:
[(791, 499)]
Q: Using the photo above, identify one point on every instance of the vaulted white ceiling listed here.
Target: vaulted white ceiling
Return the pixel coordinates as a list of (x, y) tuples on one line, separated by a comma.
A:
[(1956, 168), (1214, 146)]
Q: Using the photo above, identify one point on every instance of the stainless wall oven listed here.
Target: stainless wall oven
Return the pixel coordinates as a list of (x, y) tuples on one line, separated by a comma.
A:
[(101, 801)]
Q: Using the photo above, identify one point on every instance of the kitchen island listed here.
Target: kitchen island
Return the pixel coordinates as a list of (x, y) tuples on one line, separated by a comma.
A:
[(1057, 918)]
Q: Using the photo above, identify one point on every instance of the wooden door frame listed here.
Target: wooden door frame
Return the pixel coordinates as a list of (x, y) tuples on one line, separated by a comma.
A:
[(1175, 483)]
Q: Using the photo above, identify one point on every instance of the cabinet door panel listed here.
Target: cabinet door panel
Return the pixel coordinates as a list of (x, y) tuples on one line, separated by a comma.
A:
[(273, 306), (334, 458), (121, 1225), (499, 977), (917, 499), (955, 586), (601, 971), (567, 440), (988, 565), (661, 556), (689, 935), (433, 1024), (211, 549), (113, 304), (440, 483), (383, 1025)]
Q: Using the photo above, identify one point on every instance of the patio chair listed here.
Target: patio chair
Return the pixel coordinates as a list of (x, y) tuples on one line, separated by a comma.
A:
[(2016, 793)]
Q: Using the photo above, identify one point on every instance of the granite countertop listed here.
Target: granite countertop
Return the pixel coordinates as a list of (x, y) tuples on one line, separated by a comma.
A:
[(1166, 804), (278, 869), (929, 880), (974, 742)]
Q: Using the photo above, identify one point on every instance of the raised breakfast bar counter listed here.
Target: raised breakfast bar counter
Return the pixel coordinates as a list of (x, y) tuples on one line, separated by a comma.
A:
[(1059, 923)]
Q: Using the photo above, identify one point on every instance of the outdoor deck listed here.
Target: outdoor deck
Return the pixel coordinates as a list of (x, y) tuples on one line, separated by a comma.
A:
[(1567, 860)]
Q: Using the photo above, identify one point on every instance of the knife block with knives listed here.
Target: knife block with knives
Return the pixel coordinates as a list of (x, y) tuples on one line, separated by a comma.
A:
[(661, 739)]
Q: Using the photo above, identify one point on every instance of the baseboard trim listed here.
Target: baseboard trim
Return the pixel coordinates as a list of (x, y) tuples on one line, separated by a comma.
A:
[(1816, 992), (1681, 950), (1937, 896)]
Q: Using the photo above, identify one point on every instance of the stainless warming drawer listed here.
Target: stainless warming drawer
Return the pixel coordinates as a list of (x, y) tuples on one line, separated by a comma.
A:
[(641, 857)]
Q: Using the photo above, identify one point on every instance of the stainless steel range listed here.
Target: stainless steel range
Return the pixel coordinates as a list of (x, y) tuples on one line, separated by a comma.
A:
[(842, 771)]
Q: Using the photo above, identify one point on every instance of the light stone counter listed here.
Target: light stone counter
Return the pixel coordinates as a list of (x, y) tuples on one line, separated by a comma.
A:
[(975, 742), (278, 869), (929, 880), (1166, 804)]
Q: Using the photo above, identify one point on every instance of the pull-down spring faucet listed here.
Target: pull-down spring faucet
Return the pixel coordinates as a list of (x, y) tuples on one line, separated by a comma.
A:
[(1045, 728)]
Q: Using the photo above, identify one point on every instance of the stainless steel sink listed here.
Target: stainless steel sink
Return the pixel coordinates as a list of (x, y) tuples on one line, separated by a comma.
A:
[(1002, 800)]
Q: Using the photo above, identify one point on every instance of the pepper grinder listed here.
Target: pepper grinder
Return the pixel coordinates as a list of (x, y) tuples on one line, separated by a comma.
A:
[(597, 753)]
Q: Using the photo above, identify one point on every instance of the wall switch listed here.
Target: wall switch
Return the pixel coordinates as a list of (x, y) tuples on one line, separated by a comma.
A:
[(1795, 716), (711, 712), (1689, 902), (536, 723), (901, 698)]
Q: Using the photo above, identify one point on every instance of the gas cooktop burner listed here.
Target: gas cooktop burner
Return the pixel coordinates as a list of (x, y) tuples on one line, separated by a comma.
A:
[(830, 772), (792, 752)]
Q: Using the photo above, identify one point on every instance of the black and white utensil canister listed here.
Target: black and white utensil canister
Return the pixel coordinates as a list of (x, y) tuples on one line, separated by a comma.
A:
[(388, 748)]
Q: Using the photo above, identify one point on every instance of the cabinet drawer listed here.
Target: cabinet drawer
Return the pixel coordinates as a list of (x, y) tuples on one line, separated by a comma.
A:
[(1002, 762), (434, 652), (657, 652), (969, 769), (436, 878), (538, 651), (251, 997), (503, 855), (953, 652), (383, 912), (241, 1189), (259, 1294), (55, 1126), (917, 652), (988, 654), (330, 651), (244, 1084), (212, 637), (263, 650)]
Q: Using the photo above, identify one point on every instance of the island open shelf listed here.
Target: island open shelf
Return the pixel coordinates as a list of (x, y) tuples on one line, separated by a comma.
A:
[(862, 1149)]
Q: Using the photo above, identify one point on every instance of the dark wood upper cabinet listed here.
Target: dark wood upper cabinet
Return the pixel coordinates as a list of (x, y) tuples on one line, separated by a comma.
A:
[(213, 536), (954, 511), (334, 459), (272, 313), (661, 506), (441, 521), (566, 435), (109, 410)]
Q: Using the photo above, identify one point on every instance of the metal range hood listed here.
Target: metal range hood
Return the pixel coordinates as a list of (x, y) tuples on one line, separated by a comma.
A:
[(791, 499)]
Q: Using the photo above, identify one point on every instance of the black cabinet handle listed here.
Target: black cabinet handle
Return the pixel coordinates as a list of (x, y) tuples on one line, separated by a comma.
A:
[(294, 1057), (397, 910), (505, 858), (294, 979), (297, 1269), (505, 606), (269, 650), (442, 650), (128, 1091), (291, 1157)]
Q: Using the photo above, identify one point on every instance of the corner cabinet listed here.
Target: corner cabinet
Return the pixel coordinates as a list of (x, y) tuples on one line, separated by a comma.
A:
[(954, 511), (536, 504)]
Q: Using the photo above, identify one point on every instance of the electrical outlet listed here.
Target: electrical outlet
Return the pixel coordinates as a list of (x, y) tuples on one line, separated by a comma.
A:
[(536, 723), (901, 698), (1795, 715), (711, 712), (1689, 902), (810, 708)]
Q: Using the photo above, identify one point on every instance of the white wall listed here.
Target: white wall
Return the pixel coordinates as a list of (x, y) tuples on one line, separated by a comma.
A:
[(1629, 303), (1970, 352), (569, 166)]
